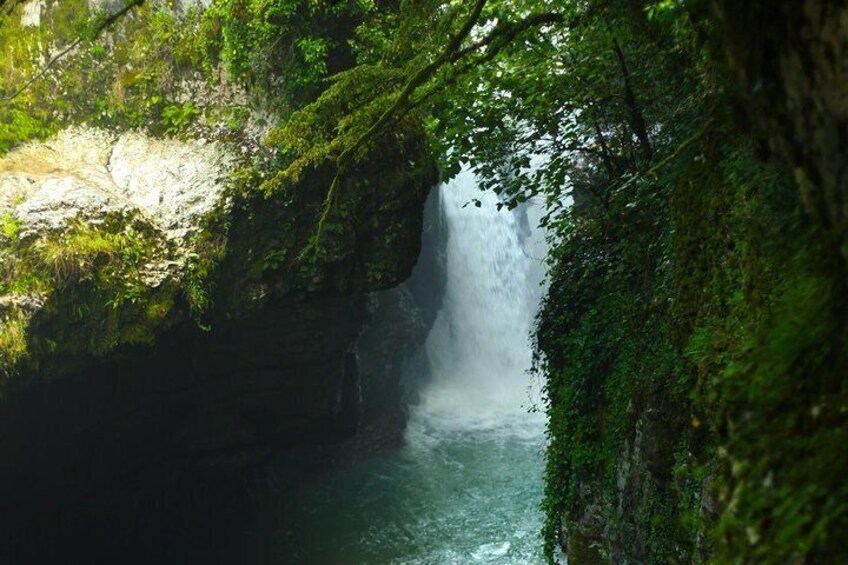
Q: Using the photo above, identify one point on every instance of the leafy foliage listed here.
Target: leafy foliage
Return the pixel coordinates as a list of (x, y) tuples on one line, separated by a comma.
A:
[(177, 117), (106, 261)]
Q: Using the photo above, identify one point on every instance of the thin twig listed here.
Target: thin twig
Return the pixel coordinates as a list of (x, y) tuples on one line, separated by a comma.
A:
[(652, 172), (104, 24), (43, 70)]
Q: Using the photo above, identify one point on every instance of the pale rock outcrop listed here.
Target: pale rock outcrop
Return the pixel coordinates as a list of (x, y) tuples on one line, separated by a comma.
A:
[(85, 174)]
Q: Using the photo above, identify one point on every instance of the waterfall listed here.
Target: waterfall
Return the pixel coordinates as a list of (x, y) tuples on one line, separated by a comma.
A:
[(478, 348), (465, 486)]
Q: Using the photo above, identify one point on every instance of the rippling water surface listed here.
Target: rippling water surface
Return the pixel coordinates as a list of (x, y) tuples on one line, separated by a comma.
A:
[(460, 491)]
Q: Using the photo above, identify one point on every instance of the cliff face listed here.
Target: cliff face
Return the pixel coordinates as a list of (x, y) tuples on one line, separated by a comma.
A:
[(697, 363), (791, 65), (165, 319), (392, 359), (100, 234), (109, 239), (116, 374)]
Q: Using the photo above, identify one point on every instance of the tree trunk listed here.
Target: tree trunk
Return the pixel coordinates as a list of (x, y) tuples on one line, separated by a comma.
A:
[(637, 120)]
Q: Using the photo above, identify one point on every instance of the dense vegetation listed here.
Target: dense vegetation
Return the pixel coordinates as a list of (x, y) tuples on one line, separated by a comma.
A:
[(692, 339)]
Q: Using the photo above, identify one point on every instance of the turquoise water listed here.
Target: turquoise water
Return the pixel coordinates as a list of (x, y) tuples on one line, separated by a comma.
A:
[(461, 491)]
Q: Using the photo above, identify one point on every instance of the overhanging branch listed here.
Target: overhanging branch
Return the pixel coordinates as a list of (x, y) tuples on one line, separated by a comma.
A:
[(422, 76), (493, 43)]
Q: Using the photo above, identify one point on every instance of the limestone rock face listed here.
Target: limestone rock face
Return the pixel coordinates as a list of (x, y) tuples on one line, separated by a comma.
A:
[(176, 183), (47, 185), (86, 174)]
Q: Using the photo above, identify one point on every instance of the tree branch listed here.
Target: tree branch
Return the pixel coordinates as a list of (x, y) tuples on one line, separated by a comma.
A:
[(637, 120), (417, 80), (652, 172), (495, 41)]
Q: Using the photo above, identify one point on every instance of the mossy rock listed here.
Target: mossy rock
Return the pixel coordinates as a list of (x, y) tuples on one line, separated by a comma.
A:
[(100, 232)]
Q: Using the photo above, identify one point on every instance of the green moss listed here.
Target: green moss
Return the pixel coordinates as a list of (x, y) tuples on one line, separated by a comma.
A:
[(13, 340), (159, 309), (130, 83), (782, 480), (92, 278)]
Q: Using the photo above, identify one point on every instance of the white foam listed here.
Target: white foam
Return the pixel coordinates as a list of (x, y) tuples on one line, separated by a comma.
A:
[(490, 551), (479, 349)]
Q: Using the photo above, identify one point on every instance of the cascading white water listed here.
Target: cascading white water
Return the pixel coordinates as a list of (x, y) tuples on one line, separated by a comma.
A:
[(478, 348)]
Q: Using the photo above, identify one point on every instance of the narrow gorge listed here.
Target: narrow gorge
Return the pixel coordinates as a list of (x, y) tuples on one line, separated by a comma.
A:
[(438, 282)]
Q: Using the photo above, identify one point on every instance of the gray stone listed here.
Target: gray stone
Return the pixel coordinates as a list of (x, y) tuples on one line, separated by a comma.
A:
[(85, 174)]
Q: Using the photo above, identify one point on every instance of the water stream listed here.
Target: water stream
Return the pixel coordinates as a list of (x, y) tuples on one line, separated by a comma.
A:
[(466, 486)]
